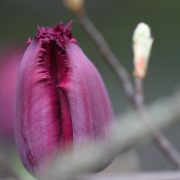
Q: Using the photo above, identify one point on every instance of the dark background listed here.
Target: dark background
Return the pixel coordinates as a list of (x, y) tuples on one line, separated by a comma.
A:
[(116, 19)]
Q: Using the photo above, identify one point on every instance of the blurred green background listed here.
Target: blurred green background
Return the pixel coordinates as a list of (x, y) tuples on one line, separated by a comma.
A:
[(116, 20)]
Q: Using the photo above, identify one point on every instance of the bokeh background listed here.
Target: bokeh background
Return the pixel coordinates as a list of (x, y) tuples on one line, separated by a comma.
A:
[(116, 20)]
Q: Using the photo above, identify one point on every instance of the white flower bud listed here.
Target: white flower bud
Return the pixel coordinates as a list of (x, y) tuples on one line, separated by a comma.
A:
[(142, 43)]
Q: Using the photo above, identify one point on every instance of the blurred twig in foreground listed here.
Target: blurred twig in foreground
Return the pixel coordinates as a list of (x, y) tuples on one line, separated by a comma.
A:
[(130, 131), (136, 176)]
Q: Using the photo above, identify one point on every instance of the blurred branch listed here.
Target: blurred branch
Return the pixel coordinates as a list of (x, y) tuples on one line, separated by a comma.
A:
[(163, 114), (130, 131), (135, 96), (135, 176), (164, 144)]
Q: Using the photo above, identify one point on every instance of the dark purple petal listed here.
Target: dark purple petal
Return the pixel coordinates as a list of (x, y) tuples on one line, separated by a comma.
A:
[(90, 107), (37, 110), (61, 100)]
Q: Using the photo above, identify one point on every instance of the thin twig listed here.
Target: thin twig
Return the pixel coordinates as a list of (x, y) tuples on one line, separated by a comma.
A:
[(135, 176), (110, 58), (135, 96), (164, 144)]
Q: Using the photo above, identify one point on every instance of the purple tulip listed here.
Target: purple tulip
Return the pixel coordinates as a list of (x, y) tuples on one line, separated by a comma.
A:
[(10, 59), (61, 100)]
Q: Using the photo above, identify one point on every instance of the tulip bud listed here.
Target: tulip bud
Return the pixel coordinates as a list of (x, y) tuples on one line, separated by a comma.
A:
[(142, 43), (61, 100), (10, 59)]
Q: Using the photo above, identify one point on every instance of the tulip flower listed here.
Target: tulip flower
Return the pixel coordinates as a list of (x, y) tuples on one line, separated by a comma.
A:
[(10, 59), (61, 100)]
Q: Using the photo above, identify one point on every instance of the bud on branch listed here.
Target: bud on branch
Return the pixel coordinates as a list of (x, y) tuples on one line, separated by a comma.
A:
[(142, 43)]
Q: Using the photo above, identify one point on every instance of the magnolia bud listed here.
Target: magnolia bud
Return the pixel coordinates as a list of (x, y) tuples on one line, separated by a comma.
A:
[(61, 100), (142, 43)]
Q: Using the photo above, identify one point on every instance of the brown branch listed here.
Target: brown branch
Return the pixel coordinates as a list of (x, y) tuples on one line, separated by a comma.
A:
[(135, 96), (164, 144), (105, 50), (135, 176), (130, 132)]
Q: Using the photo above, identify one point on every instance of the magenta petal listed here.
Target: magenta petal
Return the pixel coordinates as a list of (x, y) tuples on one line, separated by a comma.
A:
[(90, 107), (61, 100), (37, 112)]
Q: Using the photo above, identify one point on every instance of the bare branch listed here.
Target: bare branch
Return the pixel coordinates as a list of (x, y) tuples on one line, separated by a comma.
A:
[(110, 58), (164, 144), (130, 131), (135, 176), (135, 96)]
